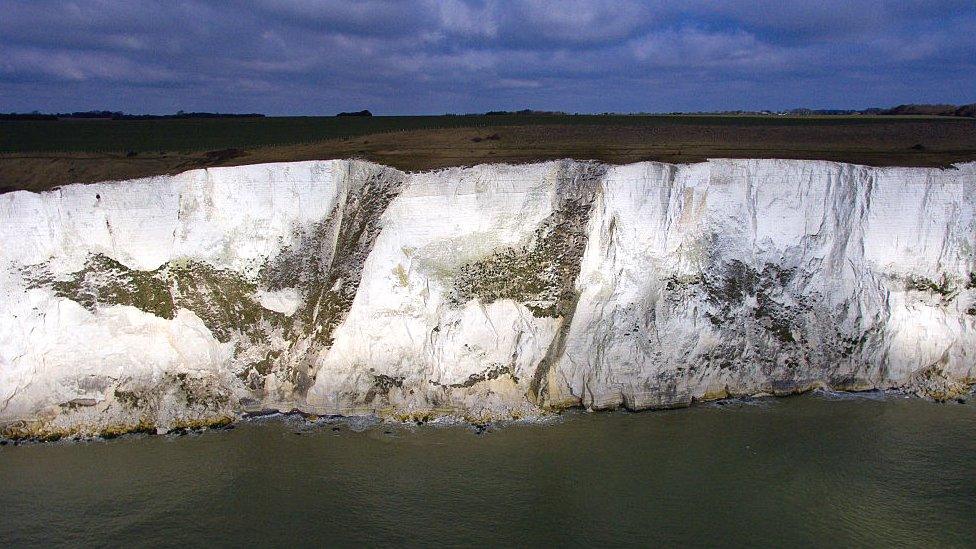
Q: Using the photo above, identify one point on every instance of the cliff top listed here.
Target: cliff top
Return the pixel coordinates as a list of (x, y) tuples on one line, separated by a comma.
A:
[(41, 155)]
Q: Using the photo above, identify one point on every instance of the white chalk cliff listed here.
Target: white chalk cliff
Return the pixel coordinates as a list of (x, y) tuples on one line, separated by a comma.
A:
[(497, 291)]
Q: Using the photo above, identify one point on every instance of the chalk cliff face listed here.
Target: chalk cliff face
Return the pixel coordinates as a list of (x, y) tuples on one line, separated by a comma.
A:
[(343, 287)]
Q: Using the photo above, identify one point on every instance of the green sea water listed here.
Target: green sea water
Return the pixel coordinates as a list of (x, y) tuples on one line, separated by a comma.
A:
[(814, 470)]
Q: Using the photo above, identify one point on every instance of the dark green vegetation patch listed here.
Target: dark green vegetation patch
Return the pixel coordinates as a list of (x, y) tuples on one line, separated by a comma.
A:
[(943, 287), (201, 134), (104, 280), (738, 281), (540, 274), (784, 314), (222, 299)]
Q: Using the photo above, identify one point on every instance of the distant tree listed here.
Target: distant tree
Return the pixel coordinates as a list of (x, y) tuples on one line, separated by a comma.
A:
[(363, 112), (967, 110)]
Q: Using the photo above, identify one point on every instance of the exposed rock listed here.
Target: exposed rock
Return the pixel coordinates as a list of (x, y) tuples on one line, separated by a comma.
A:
[(497, 291)]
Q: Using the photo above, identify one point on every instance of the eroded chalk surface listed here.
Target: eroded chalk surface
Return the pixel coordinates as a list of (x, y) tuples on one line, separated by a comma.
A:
[(496, 291)]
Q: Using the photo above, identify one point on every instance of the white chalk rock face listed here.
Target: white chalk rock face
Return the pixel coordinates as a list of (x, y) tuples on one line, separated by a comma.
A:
[(416, 329), (737, 277), (343, 287)]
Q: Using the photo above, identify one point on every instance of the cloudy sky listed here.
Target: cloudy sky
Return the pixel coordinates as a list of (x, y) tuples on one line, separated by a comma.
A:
[(323, 56)]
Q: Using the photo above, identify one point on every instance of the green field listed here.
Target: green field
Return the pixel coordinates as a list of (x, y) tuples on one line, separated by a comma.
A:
[(203, 134), (40, 155)]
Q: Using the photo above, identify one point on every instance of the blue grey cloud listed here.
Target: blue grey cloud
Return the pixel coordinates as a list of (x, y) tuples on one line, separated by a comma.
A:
[(322, 56)]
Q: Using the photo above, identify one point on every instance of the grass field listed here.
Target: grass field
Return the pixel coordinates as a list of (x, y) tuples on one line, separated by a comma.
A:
[(198, 134), (204, 134), (38, 155)]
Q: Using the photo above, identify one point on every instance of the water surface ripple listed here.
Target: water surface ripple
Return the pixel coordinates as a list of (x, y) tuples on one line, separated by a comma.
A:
[(809, 471)]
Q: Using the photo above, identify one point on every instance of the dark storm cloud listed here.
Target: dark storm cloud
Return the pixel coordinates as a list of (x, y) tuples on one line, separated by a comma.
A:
[(320, 56)]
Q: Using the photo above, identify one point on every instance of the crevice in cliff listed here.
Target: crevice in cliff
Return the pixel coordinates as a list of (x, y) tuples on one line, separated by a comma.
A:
[(541, 273), (326, 266)]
